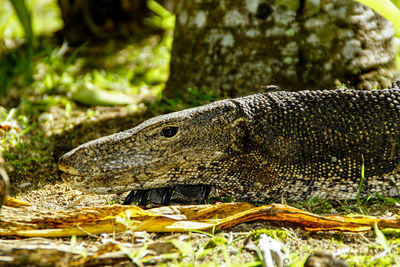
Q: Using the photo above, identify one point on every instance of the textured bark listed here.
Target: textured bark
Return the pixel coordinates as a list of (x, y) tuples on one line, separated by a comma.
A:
[(237, 47)]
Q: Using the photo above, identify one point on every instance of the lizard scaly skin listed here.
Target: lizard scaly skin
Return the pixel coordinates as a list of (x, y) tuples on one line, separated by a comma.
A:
[(273, 145)]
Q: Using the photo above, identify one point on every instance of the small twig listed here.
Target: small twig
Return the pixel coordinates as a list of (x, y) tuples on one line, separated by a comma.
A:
[(88, 233)]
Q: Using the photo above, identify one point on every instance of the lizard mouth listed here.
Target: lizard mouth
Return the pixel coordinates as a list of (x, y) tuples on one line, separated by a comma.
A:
[(65, 169), (93, 184), (122, 179), (74, 179)]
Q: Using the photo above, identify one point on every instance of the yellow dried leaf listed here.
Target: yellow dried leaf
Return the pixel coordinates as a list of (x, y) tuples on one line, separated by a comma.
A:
[(29, 222)]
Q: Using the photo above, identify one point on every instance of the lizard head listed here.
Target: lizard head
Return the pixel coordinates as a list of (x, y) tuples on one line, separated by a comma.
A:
[(193, 146)]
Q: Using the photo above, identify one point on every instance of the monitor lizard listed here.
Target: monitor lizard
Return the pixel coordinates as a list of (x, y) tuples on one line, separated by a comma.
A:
[(294, 145)]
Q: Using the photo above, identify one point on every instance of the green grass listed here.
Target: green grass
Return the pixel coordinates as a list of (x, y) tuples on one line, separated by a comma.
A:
[(59, 69), (360, 185), (46, 19), (57, 77)]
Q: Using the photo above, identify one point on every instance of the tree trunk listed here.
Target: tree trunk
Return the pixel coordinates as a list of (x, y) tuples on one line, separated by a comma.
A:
[(238, 47)]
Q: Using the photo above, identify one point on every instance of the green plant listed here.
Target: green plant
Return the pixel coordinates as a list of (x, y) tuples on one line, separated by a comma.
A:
[(392, 200), (137, 255), (24, 17), (212, 234), (274, 233), (75, 248), (360, 185)]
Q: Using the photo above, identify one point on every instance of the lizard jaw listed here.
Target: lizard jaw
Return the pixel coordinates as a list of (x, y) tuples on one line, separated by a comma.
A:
[(67, 169), (85, 184)]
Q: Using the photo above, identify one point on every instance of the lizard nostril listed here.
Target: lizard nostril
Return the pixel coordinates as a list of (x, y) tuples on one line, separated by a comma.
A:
[(59, 173)]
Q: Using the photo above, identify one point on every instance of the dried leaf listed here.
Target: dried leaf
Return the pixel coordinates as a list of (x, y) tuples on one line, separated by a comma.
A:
[(30, 222), (13, 202)]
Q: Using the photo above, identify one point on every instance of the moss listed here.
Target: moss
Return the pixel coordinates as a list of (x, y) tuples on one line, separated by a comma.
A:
[(274, 233), (369, 260), (312, 7), (215, 242), (290, 4)]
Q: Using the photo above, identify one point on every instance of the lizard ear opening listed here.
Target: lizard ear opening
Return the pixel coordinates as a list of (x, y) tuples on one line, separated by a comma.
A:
[(169, 131)]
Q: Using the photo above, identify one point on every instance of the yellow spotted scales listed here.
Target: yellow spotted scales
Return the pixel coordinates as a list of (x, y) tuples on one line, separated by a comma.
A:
[(294, 145)]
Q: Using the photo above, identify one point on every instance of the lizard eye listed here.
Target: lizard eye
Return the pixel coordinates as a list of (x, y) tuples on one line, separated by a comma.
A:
[(169, 131)]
